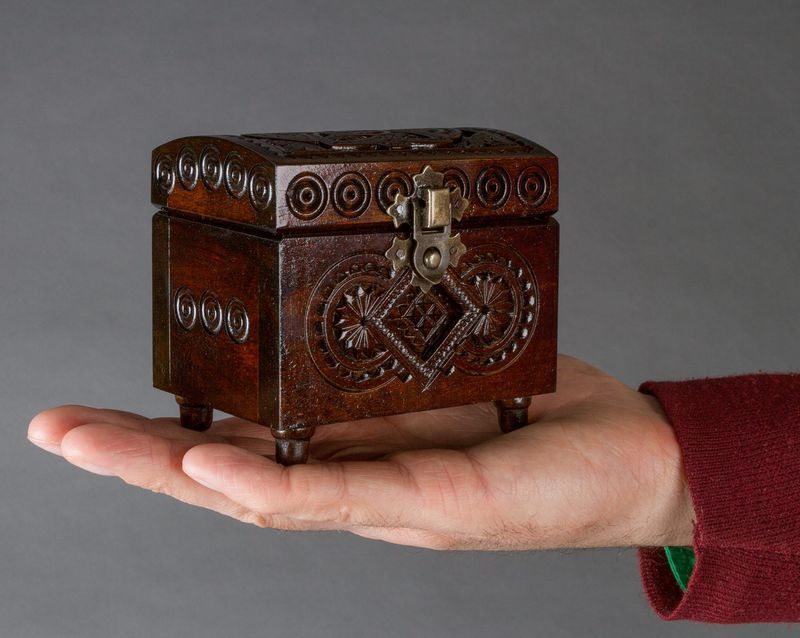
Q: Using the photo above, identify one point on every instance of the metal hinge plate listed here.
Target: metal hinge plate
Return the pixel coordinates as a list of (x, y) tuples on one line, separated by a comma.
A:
[(429, 211)]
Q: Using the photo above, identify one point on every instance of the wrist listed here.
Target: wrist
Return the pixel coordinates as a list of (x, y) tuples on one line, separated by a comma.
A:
[(669, 514)]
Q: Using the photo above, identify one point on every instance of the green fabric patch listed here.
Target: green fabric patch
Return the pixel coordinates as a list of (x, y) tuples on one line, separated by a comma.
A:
[(681, 560)]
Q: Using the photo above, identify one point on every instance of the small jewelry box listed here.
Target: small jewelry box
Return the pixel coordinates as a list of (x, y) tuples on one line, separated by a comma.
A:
[(301, 279)]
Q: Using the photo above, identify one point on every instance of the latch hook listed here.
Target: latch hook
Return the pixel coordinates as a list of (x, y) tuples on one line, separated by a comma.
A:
[(429, 210)]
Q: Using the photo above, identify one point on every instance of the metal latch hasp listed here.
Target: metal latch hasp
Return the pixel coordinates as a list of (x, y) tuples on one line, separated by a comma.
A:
[(429, 211)]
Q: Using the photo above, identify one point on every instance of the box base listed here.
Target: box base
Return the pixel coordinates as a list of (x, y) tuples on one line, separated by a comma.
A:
[(292, 446)]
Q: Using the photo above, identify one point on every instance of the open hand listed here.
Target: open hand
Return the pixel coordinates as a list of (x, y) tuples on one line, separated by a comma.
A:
[(599, 467)]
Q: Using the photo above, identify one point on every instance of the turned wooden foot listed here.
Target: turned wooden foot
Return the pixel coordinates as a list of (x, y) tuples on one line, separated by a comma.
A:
[(195, 416), (291, 446), (512, 413)]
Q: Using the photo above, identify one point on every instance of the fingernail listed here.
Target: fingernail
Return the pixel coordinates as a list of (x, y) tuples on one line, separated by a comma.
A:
[(49, 446)]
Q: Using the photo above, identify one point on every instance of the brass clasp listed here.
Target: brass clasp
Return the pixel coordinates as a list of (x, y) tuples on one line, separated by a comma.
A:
[(429, 210)]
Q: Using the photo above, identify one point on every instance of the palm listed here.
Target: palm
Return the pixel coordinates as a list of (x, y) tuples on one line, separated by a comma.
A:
[(599, 467)]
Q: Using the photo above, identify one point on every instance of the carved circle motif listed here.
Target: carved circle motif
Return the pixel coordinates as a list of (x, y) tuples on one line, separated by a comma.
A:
[(185, 308), (391, 184), (188, 171), (533, 185), (211, 167), (344, 345), (211, 313), (493, 187), (260, 188), (164, 174), (456, 178), (306, 196), (503, 286), (237, 321), (235, 174), (351, 194)]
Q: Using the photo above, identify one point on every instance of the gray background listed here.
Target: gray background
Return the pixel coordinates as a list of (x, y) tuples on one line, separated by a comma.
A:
[(676, 124)]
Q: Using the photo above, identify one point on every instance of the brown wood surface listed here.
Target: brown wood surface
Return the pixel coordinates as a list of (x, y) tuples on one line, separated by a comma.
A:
[(216, 268), (313, 186), (314, 392), (298, 320), (284, 363)]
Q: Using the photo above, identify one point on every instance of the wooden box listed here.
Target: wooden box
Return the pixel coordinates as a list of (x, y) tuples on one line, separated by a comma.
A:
[(301, 279)]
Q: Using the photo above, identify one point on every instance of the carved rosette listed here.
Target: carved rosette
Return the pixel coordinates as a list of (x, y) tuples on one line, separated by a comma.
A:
[(259, 188), (367, 325), (235, 319), (521, 174), (494, 186), (211, 313), (306, 196), (392, 184), (342, 339), (188, 170), (211, 167), (235, 175), (164, 174), (455, 178), (533, 185), (351, 321), (185, 308), (351, 194), (503, 285)]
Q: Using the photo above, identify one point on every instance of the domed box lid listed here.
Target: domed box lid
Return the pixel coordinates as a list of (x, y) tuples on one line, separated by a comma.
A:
[(347, 180)]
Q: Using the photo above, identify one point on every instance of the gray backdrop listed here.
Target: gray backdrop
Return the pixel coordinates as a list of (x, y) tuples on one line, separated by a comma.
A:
[(676, 124)]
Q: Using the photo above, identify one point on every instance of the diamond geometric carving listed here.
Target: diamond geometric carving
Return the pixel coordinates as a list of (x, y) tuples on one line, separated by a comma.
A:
[(422, 318), (437, 356), (368, 325)]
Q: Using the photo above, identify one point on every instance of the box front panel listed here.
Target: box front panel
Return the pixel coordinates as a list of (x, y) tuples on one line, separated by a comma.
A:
[(360, 340), (208, 315)]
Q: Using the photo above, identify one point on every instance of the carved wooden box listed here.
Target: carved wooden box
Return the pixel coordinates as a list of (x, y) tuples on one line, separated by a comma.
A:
[(301, 279)]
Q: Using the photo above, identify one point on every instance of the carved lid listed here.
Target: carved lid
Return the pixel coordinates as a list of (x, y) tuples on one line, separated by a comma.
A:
[(348, 179)]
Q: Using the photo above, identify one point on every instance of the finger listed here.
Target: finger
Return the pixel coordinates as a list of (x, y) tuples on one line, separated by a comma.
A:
[(458, 427), (423, 489), (154, 463), (48, 428), (244, 434), (409, 537)]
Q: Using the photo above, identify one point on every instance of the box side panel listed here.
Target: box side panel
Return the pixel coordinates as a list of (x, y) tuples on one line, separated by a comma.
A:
[(161, 332), (269, 344), (359, 340), (213, 313), (214, 177)]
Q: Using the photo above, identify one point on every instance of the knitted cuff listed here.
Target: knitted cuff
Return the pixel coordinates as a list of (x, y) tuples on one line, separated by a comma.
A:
[(740, 443)]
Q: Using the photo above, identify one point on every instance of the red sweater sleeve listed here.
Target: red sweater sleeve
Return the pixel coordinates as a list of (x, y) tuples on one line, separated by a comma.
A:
[(740, 442)]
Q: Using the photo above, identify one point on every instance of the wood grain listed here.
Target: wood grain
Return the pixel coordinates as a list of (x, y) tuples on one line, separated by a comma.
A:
[(274, 300)]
